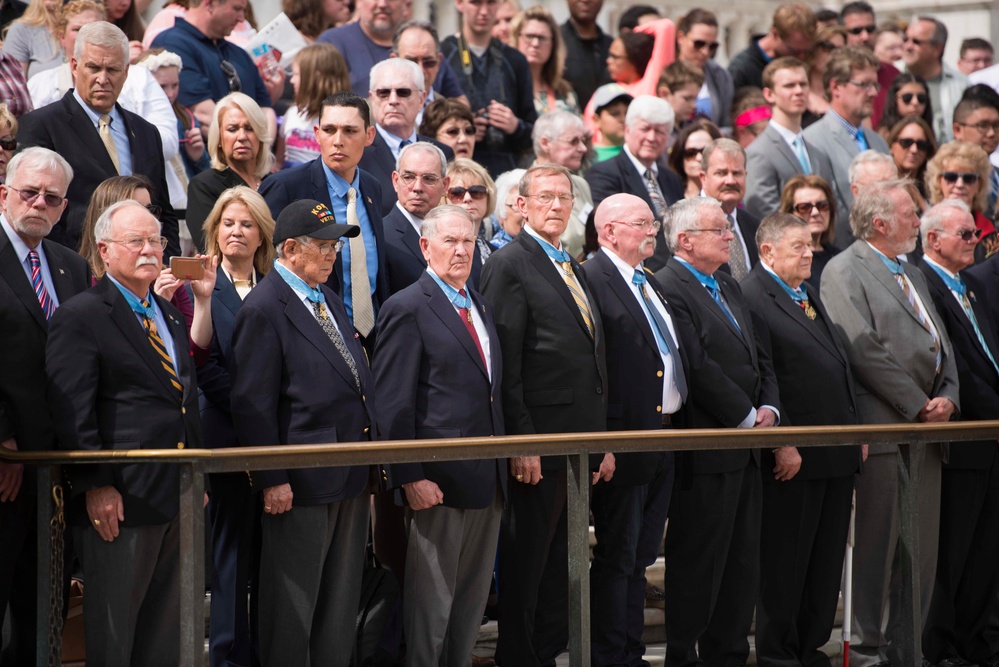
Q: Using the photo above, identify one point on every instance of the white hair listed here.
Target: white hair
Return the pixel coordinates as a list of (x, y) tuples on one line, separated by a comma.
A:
[(935, 217), (869, 157), (103, 226), (37, 158), (651, 109), (507, 181), (414, 71), (684, 216), (553, 124), (426, 147), (103, 34)]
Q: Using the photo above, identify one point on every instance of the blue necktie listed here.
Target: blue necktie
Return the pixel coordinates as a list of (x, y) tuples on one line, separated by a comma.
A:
[(664, 338), (717, 296), (799, 151), (957, 286), (862, 140)]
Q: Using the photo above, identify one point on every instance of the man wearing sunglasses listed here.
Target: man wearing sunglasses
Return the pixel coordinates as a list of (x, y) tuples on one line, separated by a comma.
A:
[(861, 30), (417, 41), (781, 152), (791, 34), (396, 97), (922, 52), (969, 496), (36, 276)]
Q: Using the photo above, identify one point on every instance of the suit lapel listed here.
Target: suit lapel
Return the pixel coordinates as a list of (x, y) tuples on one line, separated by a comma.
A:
[(410, 239), (300, 317), (781, 147), (12, 272), (444, 310), (627, 297), (178, 331), (88, 135), (876, 267), (62, 281), (226, 293), (737, 312), (634, 180), (794, 311), (543, 264)]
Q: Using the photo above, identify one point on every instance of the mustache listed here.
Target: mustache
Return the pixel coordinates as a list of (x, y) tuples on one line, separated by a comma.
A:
[(731, 188), (142, 261)]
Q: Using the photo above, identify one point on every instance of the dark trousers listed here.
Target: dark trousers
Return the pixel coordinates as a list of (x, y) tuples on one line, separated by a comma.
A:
[(18, 575), (131, 602), (967, 580), (803, 542), (234, 513), (534, 574), (311, 561), (629, 523), (712, 576)]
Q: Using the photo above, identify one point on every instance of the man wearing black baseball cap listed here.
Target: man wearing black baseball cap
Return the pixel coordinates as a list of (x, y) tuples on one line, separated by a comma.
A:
[(300, 376)]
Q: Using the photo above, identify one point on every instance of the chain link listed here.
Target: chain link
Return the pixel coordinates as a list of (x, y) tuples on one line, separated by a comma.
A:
[(57, 526)]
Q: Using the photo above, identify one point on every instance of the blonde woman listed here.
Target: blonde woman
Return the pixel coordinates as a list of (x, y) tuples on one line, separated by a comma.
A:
[(31, 38)]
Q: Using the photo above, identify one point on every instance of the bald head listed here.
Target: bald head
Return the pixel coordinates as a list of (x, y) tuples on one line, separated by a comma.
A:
[(625, 225)]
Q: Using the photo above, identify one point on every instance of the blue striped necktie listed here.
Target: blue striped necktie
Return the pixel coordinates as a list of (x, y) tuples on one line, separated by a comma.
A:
[(44, 300)]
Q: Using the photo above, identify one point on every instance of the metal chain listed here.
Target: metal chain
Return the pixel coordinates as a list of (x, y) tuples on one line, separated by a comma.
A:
[(57, 526)]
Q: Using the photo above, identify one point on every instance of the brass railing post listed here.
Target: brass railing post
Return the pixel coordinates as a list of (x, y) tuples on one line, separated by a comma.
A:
[(192, 564), (578, 499)]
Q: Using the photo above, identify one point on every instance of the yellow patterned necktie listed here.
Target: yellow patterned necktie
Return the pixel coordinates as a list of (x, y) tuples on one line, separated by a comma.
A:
[(105, 131)]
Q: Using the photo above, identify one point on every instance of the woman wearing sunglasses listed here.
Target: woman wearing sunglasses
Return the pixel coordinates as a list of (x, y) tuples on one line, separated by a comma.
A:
[(472, 189), (961, 170), (452, 124), (908, 95), (811, 199), (686, 154), (912, 146)]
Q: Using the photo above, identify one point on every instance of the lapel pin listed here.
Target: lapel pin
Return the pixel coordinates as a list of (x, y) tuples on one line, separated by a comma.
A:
[(61, 272), (369, 199)]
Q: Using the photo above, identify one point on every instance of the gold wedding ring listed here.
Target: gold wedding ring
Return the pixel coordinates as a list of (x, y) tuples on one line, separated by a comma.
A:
[(267, 508), (520, 478), (97, 522)]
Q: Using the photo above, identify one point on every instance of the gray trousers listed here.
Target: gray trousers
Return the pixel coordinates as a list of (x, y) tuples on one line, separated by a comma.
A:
[(131, 605), (876, 555), (311, 560), (449, 563)]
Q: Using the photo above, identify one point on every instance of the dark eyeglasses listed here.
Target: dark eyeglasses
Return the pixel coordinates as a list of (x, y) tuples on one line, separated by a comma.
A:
[(968, 235), (231, 76), (385, 93), (917, 42), (689, 153), (700, 45), (969, 178), (921, 144), (907, 98), (28, 196), (869, 29), (8, 144), (535, 38), (983, 126), (805, 208), (457, 194), (468, 131), (426, 62), (157, 211)]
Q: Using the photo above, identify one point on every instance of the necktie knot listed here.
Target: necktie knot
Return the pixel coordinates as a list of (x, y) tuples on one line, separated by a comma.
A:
[(33, 259), (105, 120), (638, 278), (463, 293), (351, 195)]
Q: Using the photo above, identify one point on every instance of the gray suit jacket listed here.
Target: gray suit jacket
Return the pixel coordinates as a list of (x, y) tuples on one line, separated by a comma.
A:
[(829, 135), (770, 163), (891, 353)]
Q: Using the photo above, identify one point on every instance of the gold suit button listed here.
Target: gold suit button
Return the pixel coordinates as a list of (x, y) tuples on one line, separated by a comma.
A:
[(183, 410), (659, 374), (180, 445), (659, 408)]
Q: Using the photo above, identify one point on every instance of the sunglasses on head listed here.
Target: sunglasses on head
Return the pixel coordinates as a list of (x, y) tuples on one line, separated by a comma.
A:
[(969, 178), (700, 45), (869, 29), (805, 208), (402, 93), (921, 144), (457, 194), (8, 144), (907, 98)]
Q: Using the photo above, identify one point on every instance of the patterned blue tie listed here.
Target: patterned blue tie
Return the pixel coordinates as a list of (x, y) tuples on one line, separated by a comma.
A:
[(44, 300), (862, 140), (664, 339)]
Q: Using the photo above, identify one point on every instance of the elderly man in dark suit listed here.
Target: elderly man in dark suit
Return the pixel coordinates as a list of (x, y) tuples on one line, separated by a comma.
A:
[(36, 276), (554, 381), (438, 366), (300, 376), (646, 388), (335, 180), (96, 135), (969, 490), (807, 493), (713, 540), (647, 128), (396, 96), (120, 377), (902, 360), (723, 177)]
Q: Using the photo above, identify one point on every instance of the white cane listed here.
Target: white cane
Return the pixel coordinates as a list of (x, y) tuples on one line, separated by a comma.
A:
[(848, 583)]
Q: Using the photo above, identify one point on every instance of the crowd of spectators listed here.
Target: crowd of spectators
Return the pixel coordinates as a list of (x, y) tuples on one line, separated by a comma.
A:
[(519, 228)]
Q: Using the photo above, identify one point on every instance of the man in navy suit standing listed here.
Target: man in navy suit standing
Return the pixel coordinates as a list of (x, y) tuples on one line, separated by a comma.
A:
[(646, 389), (300, 376), (438, 365), (354, 197)]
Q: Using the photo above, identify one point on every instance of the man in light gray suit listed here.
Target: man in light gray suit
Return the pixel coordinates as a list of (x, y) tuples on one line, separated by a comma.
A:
[(781, 152), (851, 83), (906, 372)]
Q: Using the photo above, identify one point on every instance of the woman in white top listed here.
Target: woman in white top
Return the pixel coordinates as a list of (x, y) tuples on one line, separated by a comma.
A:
[(318, 71)]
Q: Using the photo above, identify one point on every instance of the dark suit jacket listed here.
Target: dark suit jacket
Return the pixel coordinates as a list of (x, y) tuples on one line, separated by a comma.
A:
[(634, 365), (109, 391), (65, 128), (202, 192), (290, 386), (380, 163), (433, 384), (619, 175), (730, 372), (24, 411), (213, 377), (308, 181), (978, 381), (987, 273), (405, 259), (554, 374), (812, 370), (748, 224)]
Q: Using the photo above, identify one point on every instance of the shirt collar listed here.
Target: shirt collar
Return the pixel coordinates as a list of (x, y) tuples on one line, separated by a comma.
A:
[(302, 288), (638, 165), (708, 281), (939, 267), (627, 272), (854, 131), (544, 244), (20, 247), (339, 185), (409, 216), (95, 117), (393, 141), (134, 302), (893, 264), (785, 133), (798, 294)]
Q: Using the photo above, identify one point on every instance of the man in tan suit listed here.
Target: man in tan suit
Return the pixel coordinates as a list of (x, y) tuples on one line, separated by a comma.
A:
[(906, 372)]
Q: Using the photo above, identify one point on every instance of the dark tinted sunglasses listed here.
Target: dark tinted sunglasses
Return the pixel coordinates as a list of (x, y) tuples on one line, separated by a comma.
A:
[(457, 194), (8, 144), (907, 98), (700, 45), (402, 93), (969, 178), (805, 208), (969, 235), (921, 144), (454, 131), (869, 29), (689, 153)]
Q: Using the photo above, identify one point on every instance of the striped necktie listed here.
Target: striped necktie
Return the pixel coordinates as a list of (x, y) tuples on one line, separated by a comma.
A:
[(319, 308), (577, 295), (44, 300), (903, 282), (160, 347)]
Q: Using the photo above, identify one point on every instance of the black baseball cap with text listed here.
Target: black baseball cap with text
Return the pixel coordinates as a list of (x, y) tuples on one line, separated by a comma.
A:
[(308, 217)]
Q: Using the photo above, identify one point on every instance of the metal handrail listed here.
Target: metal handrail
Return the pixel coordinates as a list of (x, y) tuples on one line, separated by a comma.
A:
[(576, 447)]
